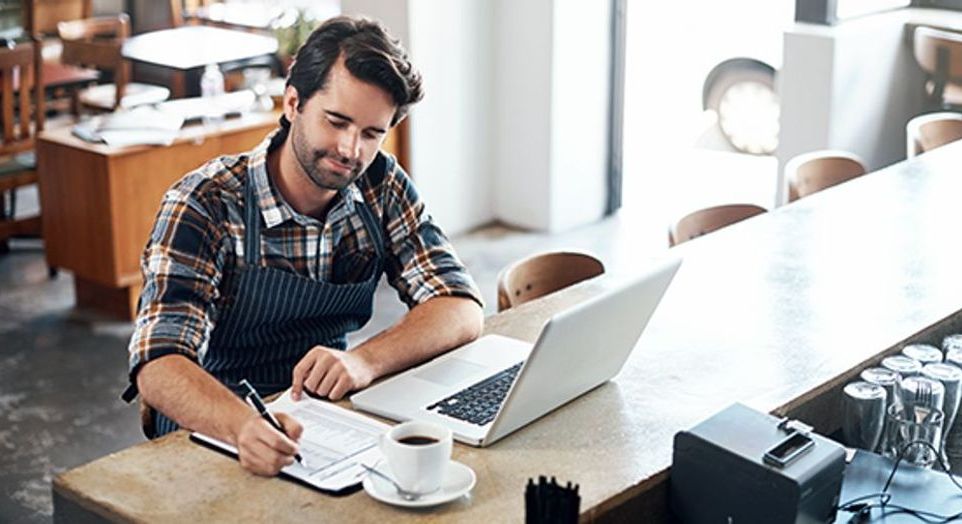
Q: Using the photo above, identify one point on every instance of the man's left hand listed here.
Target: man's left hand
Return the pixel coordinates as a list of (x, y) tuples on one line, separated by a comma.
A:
[(330, 373)]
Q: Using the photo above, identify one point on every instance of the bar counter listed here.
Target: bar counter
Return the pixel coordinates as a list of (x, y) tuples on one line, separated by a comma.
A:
[(777, 312)]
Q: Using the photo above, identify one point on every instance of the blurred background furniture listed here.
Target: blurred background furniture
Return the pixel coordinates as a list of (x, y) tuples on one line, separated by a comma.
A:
[(22, 114), (186, 50), (42, 16), (929, 131), (817, 170), (97, 43), (704, 221), (939, 54), (155, 15), (539, 275), (40, 19), (100, 202)]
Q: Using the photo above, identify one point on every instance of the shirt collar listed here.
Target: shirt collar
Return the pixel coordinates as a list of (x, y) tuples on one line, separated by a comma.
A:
[(275, 209)]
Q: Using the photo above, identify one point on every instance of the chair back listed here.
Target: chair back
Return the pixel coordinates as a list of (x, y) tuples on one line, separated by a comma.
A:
[(21, 97), (929, 43), (710, 219), (42, 16), (812, 172), (929, 131), (539, 275), (98, 43), (155, 15)]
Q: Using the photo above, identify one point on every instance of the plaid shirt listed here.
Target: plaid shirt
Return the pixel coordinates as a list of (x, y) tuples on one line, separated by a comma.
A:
[(198, 239)]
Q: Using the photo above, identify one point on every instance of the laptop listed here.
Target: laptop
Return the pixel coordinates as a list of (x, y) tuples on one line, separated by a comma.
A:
[(487, 389)]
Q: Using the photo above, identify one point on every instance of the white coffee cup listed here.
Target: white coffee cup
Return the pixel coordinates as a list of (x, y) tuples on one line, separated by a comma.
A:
[(417, 454)]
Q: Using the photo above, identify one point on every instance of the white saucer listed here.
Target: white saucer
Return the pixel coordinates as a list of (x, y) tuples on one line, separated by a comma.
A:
[(458, 481)]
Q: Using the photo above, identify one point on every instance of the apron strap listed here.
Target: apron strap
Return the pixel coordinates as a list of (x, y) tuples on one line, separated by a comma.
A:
[(373, 229), (252, 218), (371, 223)]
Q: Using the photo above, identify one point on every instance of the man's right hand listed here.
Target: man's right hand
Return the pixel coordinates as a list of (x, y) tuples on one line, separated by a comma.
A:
[(263, 450)]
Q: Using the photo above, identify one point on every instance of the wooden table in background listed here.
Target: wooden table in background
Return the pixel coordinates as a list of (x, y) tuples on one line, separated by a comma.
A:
[(99, 202), (779, 312)]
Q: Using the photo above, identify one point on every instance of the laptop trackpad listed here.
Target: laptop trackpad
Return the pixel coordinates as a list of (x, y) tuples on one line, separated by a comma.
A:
[(450, 372)]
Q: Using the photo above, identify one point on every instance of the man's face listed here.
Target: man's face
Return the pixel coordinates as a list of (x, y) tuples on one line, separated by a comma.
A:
[(337, 132)]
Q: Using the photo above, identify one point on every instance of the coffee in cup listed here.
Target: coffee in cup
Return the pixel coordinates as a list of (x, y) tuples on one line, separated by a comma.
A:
[(417, 440), (417, 454)]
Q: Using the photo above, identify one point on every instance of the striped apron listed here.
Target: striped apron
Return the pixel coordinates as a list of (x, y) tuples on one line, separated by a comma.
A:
[(271, 318)]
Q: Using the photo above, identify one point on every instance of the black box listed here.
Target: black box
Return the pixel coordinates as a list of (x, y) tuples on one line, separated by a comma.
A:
[(744, 466)]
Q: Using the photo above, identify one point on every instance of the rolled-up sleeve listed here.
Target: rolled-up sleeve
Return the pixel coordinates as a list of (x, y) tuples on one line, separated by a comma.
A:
[(423, 263), (182, 266)]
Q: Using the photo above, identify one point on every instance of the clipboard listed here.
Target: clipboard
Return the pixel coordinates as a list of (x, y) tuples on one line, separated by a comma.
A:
[(335, 443)]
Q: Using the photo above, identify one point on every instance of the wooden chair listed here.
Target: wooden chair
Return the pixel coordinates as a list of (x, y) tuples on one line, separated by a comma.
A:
[(40, 21), (939, 54), (926, 132), (539, 275), (706, 220), (42, 16), (155, 15), (97, 43), (22, 115), (812, 172)]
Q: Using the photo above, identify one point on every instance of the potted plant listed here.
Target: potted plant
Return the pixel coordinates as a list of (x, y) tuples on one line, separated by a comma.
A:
[(291, 29)]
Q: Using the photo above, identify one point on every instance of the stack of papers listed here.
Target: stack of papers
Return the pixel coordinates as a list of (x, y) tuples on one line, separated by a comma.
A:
[(334, 444), (220, 106), (139, 126), (160, 124)]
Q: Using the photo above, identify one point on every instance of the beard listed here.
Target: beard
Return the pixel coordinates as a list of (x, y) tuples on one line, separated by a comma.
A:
[(310, 161)]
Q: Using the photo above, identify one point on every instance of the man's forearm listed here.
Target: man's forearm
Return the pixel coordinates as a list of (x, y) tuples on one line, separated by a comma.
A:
[(191, 397), (428, 329)]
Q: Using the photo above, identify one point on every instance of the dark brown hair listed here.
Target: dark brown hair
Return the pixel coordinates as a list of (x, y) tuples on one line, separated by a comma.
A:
[(370, 54)]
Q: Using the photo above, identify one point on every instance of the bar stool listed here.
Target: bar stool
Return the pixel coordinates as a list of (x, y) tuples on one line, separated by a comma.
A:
[(539, 275), (704, 221), (929, 131), (812, 172), (939, 54)]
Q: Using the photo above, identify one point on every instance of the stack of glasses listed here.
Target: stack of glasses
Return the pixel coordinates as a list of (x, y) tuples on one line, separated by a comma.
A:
[(912, 397)]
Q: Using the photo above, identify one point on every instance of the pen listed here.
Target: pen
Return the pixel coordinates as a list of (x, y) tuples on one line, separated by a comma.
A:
[(254, 399)]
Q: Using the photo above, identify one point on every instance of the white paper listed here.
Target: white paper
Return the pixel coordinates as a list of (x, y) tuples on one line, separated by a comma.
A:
[(220, 106), (139, 126), (334, 442)]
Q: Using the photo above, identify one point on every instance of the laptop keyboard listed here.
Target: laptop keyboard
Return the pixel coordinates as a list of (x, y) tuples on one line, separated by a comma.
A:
[(479, 403)]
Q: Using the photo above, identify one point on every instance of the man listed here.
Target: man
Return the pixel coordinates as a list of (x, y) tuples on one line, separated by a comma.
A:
[(260, 263)]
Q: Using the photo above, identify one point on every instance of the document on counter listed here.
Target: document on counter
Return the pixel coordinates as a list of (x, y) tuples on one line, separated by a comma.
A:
[(139, 126), (334, 443)]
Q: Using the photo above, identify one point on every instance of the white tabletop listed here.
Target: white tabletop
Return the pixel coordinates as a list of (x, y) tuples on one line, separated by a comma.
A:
[(188, 47)]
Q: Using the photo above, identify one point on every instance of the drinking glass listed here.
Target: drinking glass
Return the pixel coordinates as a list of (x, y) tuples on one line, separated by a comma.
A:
[(903, 365), (863, 414), (886, 378), (950, 342), (924, 353), (922, 392), (889, 380), (908, 425), (256, 79), (953, 356), (951, 379)]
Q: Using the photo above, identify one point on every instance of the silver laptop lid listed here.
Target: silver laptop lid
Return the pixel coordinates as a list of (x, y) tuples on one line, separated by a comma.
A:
[(581, 348)]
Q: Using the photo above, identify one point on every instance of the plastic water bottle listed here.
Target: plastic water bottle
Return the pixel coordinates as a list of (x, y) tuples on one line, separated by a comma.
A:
[(211, 88)]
